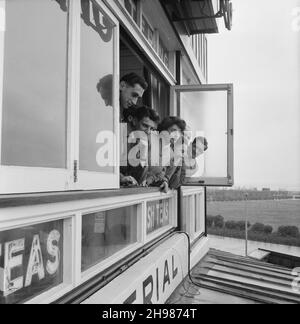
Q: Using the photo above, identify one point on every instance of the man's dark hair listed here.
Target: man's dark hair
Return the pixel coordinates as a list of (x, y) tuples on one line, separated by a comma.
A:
[(132, 79), (144, 112), (169, 122), (129, 112)]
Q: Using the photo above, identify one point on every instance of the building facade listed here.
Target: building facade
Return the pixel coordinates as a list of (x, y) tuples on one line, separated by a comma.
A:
[(68, 232)]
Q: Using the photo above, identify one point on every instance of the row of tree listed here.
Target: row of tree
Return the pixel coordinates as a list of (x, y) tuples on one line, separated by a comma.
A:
[(238, 195), (283, 231)]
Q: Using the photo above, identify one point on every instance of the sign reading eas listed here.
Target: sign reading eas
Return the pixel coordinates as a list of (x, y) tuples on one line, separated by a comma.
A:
[(30, 261)]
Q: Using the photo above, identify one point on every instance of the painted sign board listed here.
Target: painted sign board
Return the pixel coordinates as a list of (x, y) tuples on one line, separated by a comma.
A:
[(158, 215), (30, 261), (151, 280)]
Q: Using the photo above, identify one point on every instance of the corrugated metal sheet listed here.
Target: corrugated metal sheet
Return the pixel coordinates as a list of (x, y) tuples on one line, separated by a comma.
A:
[(234, 276)]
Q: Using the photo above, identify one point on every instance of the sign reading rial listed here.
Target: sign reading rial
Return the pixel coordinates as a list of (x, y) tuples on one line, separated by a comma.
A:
[(158, 283), (151, 280), (29, 260)]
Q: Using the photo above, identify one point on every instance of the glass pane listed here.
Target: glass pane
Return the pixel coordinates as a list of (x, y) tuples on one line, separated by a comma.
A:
[(206, 115), (31, 261), (106, 233), (128, 6), (96, 91), (158, 215), (199, 215), (34, 92), (187, 202)]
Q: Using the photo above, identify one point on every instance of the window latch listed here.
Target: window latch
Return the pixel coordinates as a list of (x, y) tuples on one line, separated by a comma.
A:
[(75, 171)]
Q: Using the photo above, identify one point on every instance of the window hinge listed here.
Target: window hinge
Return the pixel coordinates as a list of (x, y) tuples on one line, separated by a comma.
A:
[(75, 171)]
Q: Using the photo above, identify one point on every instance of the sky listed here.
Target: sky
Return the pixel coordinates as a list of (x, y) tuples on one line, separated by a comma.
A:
[(261, 57)]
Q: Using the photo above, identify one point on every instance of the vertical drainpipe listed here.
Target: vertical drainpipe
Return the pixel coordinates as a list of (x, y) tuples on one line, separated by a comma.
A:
[(205, 210), (178, 67)]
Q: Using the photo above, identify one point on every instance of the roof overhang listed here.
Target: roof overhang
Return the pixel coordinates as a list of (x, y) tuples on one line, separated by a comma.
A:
[(199, 16)]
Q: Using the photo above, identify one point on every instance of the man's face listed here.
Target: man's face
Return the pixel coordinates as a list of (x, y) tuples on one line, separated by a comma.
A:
[(130, 95), (175, 131), (146, 125)]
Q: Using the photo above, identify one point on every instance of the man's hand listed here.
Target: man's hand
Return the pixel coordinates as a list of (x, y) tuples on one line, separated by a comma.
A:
[(129, 181), (164, 187), (145, 184)]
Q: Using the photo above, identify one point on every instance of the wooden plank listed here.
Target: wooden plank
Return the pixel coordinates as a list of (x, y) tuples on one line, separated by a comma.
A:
[(254, 264), (252, 282), (249, 275), (246, 286), (251, 293), (259, 255), (255, 270)]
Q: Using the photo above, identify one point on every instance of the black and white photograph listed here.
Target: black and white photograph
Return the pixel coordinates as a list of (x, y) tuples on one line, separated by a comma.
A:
[(149, 155)]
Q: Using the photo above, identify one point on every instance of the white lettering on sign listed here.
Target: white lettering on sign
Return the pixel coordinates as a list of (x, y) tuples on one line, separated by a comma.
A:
[(157, 283), (28, 264), (157, 215), (11, 261), (151, 280), (54, 252), (35, 265)]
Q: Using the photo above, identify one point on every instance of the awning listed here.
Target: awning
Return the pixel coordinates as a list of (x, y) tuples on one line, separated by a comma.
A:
[(199, 16)]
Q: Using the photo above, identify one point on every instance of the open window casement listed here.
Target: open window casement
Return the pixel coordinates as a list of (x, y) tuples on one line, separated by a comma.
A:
[(99, 140), (34, 118), (208, 112), (59, 98)]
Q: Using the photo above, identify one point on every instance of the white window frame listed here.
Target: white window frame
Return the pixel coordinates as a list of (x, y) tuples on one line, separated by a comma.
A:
[(131, 13), (227, 181), (190, 218), (152, 29), (109, 261), (135, 31), (72, 212), (165, 51), (14, 179), (19, 179), (88, 180)]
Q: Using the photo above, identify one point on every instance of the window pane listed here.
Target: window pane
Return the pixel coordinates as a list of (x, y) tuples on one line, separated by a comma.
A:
[(187, 203), (128, 6), (158, 215), (96, 91), (206, 115), (34, 92), (106, 233), (31, 261), (145, 27), (199, 214)]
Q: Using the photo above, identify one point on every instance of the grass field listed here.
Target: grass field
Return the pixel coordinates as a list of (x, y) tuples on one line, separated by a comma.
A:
[(274, 213)]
